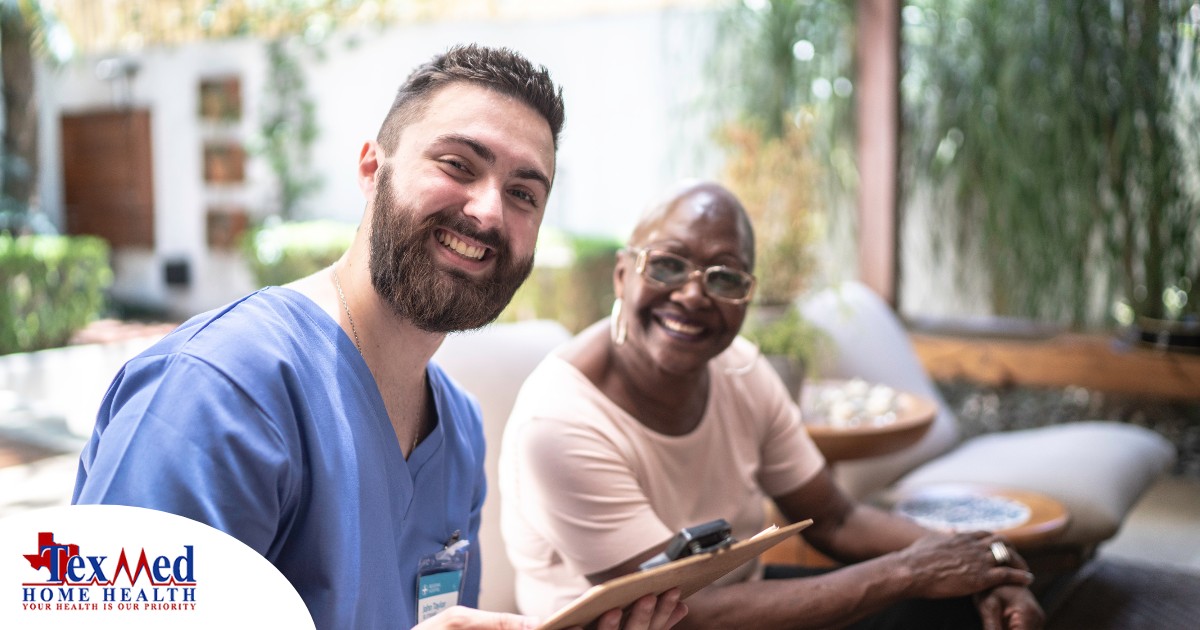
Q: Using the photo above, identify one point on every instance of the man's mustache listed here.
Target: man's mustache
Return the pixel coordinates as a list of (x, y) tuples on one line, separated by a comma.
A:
[(456, 222)]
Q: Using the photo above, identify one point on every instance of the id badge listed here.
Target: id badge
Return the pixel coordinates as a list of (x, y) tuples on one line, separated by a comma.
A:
[(440, 578)]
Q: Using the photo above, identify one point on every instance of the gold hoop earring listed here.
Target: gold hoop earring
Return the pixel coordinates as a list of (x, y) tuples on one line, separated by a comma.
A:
[(616, 324)]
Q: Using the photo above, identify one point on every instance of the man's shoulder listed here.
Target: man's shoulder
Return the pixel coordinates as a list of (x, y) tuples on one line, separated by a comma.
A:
[(265, 317), (264, 332)]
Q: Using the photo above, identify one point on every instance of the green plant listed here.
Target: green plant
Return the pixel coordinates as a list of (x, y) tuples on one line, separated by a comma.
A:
[(51, 287), (786, 333), (280, 252), (289, 126), (774, 177), (783, 113), (1059, 139), (774, 58), (22, 28), (571, 283)]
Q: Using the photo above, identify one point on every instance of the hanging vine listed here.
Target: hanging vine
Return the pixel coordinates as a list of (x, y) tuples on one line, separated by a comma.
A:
[(288, 126), (1068, 132)]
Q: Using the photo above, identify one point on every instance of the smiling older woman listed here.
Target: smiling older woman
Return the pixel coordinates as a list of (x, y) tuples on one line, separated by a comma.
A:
[(662, 418)]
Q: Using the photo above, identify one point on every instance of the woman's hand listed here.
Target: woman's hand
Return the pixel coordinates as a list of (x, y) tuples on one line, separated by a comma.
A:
[(1010, 608), (647, 613), (960, 565)]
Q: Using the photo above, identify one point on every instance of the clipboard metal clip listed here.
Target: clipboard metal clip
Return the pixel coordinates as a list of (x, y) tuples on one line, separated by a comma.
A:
[(690, 541)]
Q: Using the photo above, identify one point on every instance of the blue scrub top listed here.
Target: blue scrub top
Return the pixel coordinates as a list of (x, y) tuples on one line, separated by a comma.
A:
[(262, 420)]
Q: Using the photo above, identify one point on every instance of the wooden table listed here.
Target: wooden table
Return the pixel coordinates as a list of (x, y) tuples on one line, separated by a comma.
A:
[(1047, 517), (914, 416)]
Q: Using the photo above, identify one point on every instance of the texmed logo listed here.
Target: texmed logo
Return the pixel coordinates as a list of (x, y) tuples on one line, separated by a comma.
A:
[(63, 577)]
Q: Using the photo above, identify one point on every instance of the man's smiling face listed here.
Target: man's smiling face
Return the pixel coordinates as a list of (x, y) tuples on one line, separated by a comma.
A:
[(455, 209)]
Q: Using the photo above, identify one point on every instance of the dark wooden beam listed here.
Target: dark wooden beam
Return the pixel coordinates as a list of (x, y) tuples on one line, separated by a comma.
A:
[(878, 117), (1099, 362)]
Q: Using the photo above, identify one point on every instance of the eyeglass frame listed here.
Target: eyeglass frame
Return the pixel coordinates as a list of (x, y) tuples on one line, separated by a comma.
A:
[(640, 267)]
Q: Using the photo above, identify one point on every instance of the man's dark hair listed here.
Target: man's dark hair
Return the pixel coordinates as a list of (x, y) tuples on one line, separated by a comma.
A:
[(499, 69)]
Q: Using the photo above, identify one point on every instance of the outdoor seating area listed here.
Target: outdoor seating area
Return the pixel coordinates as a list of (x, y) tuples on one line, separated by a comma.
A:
[(1097, 470), (964, 236), (1146, 521)]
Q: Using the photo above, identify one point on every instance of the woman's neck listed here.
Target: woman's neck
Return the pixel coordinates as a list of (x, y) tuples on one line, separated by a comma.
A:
[(671, 404)]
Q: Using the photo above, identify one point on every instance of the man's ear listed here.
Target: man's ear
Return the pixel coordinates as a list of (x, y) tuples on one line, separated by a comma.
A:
[(368, 166)]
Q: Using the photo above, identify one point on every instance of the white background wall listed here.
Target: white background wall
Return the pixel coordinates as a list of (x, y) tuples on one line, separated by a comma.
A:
[(631, 82)]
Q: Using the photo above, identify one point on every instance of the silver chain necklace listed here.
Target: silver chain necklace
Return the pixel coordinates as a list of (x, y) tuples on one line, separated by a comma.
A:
[(354, 329), (337, 283)]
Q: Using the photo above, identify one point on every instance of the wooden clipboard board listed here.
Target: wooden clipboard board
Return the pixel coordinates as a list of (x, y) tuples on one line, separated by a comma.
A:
[(689, 574)]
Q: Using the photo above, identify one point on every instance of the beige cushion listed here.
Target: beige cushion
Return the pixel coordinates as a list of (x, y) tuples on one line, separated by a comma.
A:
[(868, 342), (1096, 469), (491, 363)]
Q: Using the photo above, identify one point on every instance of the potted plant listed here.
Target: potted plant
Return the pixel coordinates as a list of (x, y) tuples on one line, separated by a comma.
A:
[(788, 341), (773, 176), (775, 179)]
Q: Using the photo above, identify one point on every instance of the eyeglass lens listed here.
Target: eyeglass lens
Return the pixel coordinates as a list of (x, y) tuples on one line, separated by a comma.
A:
[(722, 282)]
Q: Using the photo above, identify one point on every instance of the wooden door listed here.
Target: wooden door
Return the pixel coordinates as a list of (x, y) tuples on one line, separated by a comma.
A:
[(108, 176)]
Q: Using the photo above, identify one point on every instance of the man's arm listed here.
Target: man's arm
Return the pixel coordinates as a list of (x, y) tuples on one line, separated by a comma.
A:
[(187, 441)]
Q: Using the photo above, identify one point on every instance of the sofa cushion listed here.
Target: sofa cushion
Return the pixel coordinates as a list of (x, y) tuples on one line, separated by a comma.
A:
[(492, 363), (871, 344), (1096, 469)]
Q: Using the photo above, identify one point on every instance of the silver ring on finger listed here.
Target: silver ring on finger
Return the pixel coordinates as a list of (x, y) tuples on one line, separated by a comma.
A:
[(1000, 553)]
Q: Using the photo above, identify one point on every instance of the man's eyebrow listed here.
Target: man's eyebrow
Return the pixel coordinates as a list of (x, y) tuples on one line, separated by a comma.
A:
[(475, 145), (488, 156), (534, 174)]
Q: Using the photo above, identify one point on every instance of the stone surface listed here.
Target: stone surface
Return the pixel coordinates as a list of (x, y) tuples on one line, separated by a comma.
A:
[(987, 409)]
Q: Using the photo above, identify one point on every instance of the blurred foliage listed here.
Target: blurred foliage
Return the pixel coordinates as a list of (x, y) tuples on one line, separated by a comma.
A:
[(775, 179), (19, 33), (288, 125), (1063, 140), (52, 287), (280, 252), (783, 69), (174, 22), (572, 282), (775, 57), (783, 331)]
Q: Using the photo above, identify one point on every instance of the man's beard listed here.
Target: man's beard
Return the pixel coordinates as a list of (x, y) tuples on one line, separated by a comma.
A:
[(406, 277)]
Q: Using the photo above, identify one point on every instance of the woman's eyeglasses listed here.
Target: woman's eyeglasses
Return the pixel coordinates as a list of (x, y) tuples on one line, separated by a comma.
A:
[(670, 271)]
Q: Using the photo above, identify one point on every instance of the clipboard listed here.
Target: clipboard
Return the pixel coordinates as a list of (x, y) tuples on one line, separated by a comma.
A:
[(690, 574)]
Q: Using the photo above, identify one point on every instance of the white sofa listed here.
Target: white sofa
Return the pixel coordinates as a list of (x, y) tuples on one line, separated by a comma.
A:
[(1097, 469), (492, 363)]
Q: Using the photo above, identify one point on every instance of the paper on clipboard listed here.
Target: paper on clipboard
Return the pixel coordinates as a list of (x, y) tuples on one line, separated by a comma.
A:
[(689, 574)]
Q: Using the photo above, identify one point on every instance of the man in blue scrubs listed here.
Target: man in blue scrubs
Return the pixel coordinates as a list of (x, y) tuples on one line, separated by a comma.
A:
[(307, 420)]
